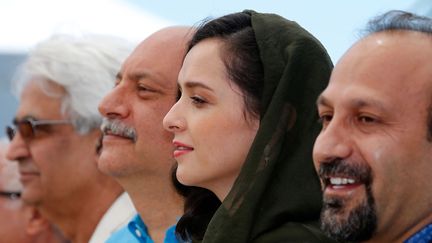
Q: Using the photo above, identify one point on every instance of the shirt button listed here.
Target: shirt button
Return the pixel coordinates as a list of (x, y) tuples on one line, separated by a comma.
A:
[(138, 233)]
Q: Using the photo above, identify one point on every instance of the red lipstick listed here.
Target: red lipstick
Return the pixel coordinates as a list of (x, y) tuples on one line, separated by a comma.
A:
[(181, 148)]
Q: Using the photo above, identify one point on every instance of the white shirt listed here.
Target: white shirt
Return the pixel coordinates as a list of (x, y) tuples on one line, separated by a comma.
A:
[(118, 215)]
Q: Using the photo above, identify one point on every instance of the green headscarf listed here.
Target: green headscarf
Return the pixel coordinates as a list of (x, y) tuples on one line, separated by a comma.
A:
[(277, 196)]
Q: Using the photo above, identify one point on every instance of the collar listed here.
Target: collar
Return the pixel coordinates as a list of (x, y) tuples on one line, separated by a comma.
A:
[(117, 216), (424, 235), (138, 228)]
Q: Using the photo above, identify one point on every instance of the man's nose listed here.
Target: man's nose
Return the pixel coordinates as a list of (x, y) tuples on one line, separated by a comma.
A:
[(333, 142)]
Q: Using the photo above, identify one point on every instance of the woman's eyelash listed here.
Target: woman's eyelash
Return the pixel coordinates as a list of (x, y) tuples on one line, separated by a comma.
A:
[(179, 94), (197, 100)]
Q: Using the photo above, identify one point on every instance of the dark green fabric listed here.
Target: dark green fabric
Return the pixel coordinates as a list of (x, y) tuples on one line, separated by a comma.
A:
[(277, 196)]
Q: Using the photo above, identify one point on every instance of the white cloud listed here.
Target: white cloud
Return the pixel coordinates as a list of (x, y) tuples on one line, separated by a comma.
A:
[(23, 23)]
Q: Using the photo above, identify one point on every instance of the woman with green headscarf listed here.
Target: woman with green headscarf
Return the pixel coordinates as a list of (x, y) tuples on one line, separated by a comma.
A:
[(244, 128)]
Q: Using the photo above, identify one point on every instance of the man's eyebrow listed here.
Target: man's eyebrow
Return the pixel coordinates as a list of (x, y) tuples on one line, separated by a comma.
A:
[(134, 76), (322, 101), (151, 78), (139, 75), (354, 103), (360, 103)]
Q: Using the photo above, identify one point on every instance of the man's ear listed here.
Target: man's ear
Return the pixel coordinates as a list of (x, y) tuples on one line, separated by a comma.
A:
[(35, 223)]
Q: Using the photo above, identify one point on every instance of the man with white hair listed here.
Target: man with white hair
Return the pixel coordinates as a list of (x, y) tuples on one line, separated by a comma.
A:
[(19, 222), (56, 130)]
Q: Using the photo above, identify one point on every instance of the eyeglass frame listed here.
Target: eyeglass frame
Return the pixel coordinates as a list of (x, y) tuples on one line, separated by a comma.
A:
[(11, 132), (12, 195)]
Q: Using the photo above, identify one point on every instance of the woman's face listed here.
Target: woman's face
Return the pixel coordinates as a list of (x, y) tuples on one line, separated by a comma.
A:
[(212, 134)]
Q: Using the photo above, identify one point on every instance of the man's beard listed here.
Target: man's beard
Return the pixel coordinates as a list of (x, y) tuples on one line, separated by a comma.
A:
[(361, 222)]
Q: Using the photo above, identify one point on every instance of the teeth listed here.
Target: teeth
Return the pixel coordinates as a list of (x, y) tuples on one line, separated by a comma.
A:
[(182, 148), (341, 181), (335, 181)]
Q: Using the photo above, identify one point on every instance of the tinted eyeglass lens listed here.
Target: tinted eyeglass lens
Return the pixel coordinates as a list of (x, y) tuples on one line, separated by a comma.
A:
[(10, 132), (25, 129)]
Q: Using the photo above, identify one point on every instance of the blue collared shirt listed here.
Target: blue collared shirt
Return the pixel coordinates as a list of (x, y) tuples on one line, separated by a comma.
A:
[(423, 236), (136, 232)]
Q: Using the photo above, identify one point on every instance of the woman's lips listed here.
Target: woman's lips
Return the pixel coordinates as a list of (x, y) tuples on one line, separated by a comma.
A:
[(181, 148)]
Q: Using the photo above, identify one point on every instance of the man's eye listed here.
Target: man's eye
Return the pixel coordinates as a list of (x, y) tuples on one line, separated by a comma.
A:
[(142, 88), (44, 128), (366, 119)]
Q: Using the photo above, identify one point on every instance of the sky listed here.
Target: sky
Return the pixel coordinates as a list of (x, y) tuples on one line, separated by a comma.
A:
[(336, 23)]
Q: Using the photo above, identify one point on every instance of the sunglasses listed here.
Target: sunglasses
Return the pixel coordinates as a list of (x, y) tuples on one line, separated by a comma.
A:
[(10, 195), (27, 127)]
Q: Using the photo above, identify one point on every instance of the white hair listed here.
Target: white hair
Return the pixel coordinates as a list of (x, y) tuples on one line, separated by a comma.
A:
[(85, 67)]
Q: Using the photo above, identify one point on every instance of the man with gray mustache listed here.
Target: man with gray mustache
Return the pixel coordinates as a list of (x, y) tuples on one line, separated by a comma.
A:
[(374, 153), (136, 150)]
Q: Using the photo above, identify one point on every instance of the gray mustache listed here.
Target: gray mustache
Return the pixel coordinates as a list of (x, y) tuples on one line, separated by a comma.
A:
[(118, 128)]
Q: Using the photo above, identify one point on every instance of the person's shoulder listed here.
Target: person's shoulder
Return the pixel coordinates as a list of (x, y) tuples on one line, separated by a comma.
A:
[(294, 232)]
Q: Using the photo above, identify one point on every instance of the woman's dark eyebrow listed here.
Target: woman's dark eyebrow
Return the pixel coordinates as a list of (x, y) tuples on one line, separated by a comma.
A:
[(193, 84)]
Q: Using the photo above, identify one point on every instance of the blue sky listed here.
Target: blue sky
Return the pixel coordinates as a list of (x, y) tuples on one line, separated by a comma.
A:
[(335, 22)]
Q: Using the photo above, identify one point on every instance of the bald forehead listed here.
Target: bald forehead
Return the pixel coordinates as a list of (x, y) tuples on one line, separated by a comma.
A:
[(167, 39), (159, 57), (405, 36), (395, 43), (406, 52), (165, 45), (180, 33)]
